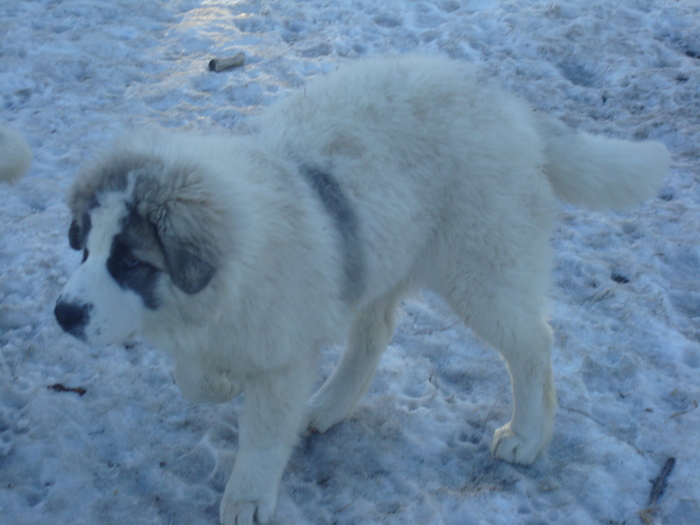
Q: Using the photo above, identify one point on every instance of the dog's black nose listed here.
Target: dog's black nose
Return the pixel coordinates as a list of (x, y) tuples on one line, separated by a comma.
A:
[(72, 317)]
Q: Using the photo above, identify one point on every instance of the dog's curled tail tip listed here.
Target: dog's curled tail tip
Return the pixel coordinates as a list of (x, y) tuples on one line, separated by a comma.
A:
[(657, 162), (601, 172), (15, 155), (636, 173)]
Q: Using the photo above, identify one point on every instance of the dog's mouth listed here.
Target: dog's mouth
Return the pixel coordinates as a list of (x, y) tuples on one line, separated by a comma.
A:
[(74, 317)]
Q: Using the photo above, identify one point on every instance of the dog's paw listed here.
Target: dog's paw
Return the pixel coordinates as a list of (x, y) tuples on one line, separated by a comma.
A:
[(245, 512), (515, 448), (321, 416), (318, 423)]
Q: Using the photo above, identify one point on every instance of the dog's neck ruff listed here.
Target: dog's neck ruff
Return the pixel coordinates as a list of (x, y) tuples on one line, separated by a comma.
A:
[(337, 205)]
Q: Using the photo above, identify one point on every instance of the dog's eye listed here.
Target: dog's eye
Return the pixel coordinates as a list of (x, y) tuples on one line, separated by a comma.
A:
[(130, 261)]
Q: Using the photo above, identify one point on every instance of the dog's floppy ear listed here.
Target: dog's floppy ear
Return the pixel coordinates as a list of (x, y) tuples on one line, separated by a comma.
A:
[(78, 231), (75, 237), (187, 224), (189, 259)]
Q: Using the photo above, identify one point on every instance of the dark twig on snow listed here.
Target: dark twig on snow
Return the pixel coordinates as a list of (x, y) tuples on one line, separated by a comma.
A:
[(658, 484), (58, 387)]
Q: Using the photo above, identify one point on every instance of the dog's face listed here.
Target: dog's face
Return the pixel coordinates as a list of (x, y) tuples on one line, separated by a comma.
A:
[(147, 229), (106, 298)]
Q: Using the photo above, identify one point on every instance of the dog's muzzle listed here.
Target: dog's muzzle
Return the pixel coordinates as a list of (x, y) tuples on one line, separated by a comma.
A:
[(73, 317)]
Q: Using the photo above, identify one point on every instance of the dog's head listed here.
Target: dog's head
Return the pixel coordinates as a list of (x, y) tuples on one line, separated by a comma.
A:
[(148, 228)]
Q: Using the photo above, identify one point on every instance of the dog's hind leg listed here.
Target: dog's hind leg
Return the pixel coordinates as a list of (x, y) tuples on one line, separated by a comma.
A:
[(513, 322), (528, 359), (369, 336)]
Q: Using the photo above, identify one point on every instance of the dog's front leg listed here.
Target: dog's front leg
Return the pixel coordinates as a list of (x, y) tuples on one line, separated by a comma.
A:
[(269, 426)]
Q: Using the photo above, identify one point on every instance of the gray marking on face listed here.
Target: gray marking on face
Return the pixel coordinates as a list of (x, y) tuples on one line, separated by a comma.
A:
[(129, 271), (338, 207), (111, 174)]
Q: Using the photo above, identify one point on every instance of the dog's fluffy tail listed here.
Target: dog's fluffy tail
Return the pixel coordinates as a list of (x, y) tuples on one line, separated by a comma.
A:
[(600, 172), (15, 155)]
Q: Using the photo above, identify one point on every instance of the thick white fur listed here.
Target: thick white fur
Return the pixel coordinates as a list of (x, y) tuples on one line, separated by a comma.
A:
[(453, 184), (15, 155)]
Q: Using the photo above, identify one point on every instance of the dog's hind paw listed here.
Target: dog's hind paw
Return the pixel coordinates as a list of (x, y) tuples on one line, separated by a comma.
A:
[(321, 415), (512, 447), (244, 512), (319, 423)]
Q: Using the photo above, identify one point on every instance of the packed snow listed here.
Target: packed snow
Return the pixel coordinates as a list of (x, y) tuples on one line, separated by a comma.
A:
[(94, 435)]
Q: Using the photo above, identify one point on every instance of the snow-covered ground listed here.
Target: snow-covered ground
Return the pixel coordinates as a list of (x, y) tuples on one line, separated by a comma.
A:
[(625, 294)]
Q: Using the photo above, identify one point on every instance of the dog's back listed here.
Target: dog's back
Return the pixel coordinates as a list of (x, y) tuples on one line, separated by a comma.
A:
[(433, 111)]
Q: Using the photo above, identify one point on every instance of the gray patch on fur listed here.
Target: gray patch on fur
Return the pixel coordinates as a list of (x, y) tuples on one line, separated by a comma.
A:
[(109, 175), (338, 207)]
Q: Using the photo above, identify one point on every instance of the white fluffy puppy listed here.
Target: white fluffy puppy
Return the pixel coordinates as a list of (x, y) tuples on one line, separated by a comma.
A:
[(15, 155), (242, 256)]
